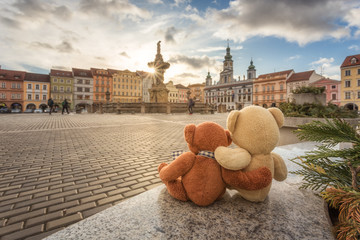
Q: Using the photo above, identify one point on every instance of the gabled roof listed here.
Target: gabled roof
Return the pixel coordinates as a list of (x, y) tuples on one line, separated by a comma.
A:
[(60, 73), (82, 72), (301, 76), (350, 61), (12, 75), (275, 74), (37, 77)]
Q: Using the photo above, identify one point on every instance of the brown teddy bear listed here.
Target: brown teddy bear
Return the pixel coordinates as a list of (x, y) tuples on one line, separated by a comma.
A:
[(197, 176), (256, 130)]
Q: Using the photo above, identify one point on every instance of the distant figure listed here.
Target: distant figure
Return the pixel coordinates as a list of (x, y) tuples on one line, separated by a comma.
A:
[(191, 104), (51, 105), (65, 105)]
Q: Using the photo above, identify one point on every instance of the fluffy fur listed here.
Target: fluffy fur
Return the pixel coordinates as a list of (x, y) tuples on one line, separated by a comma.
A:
[(256, 130), (200, 179)]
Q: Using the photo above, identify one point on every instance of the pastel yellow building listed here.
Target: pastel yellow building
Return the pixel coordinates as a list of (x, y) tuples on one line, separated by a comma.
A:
[(127, 86), (350, 82), (173, 95), (62, 83), (36, 91)]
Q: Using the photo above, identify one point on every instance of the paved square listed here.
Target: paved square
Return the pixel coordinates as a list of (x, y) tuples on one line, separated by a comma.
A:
[(59, 169)]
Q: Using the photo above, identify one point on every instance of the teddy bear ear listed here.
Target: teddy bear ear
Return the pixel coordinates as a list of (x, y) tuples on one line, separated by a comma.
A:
[(278, 115), (189, 133), (228, 135), (232, 119)]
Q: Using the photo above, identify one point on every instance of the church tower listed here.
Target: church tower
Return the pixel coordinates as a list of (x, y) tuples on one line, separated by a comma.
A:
[(208, 81), (251, 72), (226, 76)]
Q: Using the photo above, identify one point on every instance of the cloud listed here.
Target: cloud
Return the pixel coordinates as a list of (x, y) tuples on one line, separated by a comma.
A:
[(194, 62), (155, 2), (187, 75), (294, 57), (12, 23), (63, 47), (119, 8), (325, 67), (354, 47), (124, 54), (215, 49), (170, 34), (296, 21)]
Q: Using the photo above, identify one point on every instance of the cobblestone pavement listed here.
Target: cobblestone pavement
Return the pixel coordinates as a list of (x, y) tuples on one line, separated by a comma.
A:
[(59, 169)]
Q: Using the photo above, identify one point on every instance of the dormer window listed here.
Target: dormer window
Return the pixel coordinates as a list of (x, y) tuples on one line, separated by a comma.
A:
[(353, 60)]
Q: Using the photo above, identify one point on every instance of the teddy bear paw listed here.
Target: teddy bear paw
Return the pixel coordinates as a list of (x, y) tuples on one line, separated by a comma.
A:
[(161, 166)]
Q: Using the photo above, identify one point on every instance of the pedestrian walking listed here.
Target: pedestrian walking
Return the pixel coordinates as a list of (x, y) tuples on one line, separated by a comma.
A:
[(51, 105), (191, 104), (65, 105)]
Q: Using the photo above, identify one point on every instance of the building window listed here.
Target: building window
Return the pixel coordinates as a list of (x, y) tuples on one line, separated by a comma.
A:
[(68, 81), (79, 81), (347, 72), (333, 96), (62, 80), (347, 83), (13, 85), (37, 87), (333, 86), (359, 71), (347, 95), (79, 89), (18, 85), (29, 97), (55, 88), (87, 89), (37, 97), (353, 60), (61, 89), (3, 96), (55, 80), (281, 96), (281, 87), (272, 88), (3, 85), (358, 95), (44, 97), (87, 81), (358, 82), (29, 86), (68, 89), (44, 87)]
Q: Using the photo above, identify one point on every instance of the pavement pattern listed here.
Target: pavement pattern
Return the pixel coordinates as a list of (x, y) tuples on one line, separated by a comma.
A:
[(56, 169)]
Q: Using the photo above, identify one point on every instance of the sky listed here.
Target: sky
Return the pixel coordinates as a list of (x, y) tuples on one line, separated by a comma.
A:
[(39, 35)]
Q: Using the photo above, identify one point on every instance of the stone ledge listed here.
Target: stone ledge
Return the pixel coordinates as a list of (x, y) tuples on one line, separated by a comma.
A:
[(287, 213)]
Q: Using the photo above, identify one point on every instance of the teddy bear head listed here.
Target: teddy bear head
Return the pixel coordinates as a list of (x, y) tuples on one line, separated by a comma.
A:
[(206, 136), (255, 128)]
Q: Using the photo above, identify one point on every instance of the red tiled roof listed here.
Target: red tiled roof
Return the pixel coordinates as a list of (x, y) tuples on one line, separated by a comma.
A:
[(301, 76), (81, 73), (37, 77), (347, 61), (94, 72), (60, 73), (12, 75), (271, 75), (326, 80)]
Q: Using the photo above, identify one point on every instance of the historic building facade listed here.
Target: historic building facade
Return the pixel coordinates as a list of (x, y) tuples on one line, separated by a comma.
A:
[(197, 92), (269, 90), (332, 89), (12, 89), (83, 88), (62, 83), (173, 94), (147, 80), (301, 79), (228, 94), (183, 93), (36, 90), (350, 82), (127, 86), (102, 80)]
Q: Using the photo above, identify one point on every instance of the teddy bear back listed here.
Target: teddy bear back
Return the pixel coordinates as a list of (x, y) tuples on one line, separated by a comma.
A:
[(255, 128), (206, 136)]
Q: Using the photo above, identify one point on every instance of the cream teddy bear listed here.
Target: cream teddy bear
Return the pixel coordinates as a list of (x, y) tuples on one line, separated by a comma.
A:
[(255, 130)]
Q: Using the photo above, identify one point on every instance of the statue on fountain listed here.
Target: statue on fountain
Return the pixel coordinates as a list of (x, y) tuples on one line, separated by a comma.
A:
[(159, 92)]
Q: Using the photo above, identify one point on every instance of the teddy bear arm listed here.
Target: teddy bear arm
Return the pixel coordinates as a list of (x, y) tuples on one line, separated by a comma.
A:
[(180, 166), (233, 159), (280, 169), (252, 180)]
